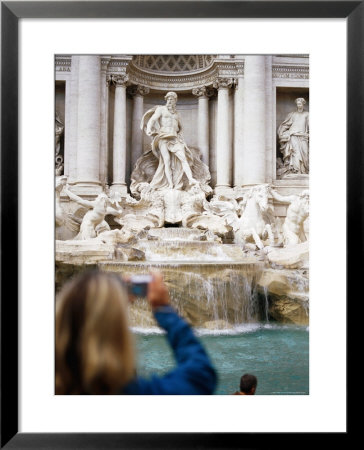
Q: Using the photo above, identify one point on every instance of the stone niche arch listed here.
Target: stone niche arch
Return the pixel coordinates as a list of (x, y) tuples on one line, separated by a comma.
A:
[(173, 63), (162, 73)]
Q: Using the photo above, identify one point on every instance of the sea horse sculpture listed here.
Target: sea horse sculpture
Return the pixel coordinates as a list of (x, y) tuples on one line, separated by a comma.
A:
[(253, 224)]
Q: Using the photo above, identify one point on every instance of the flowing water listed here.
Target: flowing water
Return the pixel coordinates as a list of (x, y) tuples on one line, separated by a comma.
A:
[(278, 355), (215, 288), (215, 295)]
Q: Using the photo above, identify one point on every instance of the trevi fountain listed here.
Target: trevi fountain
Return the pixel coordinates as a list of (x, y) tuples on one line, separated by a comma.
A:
[(196, 166)]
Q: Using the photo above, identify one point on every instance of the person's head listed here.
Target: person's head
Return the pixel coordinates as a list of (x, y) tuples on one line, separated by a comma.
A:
[(94, 348), (300, 102), (171, 99), (102, 199), (61, 181), (248, 384)]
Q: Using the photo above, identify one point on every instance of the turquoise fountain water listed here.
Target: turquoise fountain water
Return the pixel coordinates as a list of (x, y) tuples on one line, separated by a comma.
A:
[(277, 355)]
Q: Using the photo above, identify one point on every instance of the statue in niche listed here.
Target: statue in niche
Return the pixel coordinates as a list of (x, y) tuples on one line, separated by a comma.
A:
[(93, 222), (170, 163), (297, 213), (59, 129), (293, 136)]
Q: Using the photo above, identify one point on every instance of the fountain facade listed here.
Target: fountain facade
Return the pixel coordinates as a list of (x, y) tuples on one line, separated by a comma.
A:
[(174, 179)]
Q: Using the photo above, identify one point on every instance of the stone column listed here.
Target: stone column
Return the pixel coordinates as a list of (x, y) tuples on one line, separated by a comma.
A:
[(119, 138), (138, 93), (104, 121), (253, 149), (68, 103), (70, 137), (269, 125), (88, 127), (203, 122), (238, 131), (223, 147)]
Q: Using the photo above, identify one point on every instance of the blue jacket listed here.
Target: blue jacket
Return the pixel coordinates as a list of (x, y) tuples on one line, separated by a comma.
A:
[(194, 373)]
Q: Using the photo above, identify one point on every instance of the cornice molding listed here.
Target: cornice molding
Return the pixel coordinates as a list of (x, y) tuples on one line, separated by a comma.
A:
[(63, 63), (290, 71), (179, 80)]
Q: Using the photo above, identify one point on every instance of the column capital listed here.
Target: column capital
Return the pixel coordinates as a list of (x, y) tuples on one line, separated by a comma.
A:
[(203, 91), (137, 89), (223, 83), (118, 80), (105, 63)]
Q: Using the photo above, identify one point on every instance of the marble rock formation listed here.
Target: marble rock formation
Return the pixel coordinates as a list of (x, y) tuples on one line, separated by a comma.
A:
[(288, 292), (291, 257)]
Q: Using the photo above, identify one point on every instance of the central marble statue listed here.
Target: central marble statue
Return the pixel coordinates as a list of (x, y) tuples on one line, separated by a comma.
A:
[(164, 125), (170, 163)]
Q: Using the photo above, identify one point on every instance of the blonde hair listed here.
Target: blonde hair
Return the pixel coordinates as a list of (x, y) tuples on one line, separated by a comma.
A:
[(94, 347)]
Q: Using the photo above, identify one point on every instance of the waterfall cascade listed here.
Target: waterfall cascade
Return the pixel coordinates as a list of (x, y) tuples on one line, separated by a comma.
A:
[(211, 285)]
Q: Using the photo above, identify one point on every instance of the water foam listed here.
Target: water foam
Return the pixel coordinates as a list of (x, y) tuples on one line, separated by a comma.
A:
[(235, 330), (147, 331)]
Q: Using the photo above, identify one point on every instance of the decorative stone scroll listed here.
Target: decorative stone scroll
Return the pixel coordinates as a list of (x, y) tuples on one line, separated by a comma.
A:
[(118, 80), (59, 130), (203, 91), (223, 83), (138, 90)]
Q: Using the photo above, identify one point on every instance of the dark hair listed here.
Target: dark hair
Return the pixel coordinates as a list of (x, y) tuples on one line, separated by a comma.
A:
[(248, 382)]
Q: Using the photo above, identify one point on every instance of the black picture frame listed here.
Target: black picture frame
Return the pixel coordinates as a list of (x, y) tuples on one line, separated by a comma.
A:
[(11, 12)]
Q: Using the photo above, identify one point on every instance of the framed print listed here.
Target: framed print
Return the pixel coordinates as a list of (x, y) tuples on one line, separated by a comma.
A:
[(37, 50)]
